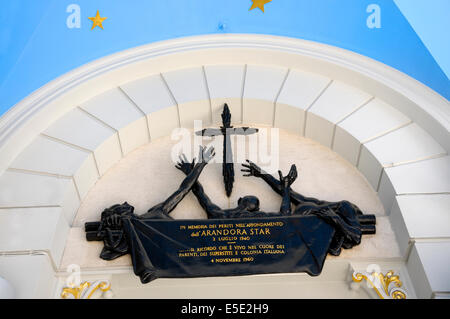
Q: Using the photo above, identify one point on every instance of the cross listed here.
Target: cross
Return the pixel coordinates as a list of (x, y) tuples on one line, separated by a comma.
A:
[(226, 130)]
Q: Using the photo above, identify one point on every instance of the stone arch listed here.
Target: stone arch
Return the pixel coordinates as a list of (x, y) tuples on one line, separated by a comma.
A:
[(60, 140)]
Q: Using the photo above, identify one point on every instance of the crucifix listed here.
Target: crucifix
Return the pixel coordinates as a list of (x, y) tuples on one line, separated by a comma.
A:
[(226, 130)]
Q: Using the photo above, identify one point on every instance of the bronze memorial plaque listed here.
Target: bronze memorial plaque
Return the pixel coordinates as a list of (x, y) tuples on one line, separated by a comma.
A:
[(238, 241)]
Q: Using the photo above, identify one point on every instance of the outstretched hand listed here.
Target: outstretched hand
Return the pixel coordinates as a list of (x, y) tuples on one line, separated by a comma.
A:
[(290, 178), (251, 169), (184, 165), (206, 155)]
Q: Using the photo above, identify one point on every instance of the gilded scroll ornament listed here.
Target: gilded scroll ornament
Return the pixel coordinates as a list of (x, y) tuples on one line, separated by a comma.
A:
[(387, 286), (88, 290)]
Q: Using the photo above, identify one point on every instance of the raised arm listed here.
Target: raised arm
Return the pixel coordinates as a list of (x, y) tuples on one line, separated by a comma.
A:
[(251, 169), (172, 201), (211, 209), (285, 183)]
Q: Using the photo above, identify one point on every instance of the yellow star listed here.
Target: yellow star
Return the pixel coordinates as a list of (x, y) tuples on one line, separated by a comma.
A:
[(97, 21), (259, 4)]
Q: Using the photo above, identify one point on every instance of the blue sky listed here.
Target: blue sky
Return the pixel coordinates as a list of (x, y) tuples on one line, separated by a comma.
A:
[(36, 46), (431, 21)]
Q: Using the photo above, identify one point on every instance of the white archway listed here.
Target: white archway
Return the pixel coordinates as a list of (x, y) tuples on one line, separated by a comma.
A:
[(60, 140)]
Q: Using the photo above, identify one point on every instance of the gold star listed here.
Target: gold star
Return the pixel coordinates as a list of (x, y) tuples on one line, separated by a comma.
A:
[(259, 4), (97, 21)]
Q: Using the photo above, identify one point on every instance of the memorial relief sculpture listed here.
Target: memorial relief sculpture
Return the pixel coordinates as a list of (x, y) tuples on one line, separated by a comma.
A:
[(348, 220), (238, 241)]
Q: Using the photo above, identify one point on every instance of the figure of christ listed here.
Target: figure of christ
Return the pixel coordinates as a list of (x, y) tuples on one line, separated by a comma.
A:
[(347, 219), (109, 229)]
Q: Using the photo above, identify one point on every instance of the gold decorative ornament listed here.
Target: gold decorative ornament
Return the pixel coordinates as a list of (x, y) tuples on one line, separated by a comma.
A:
[(85, 290), (386, 286), (97, 21), (259, 4)]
